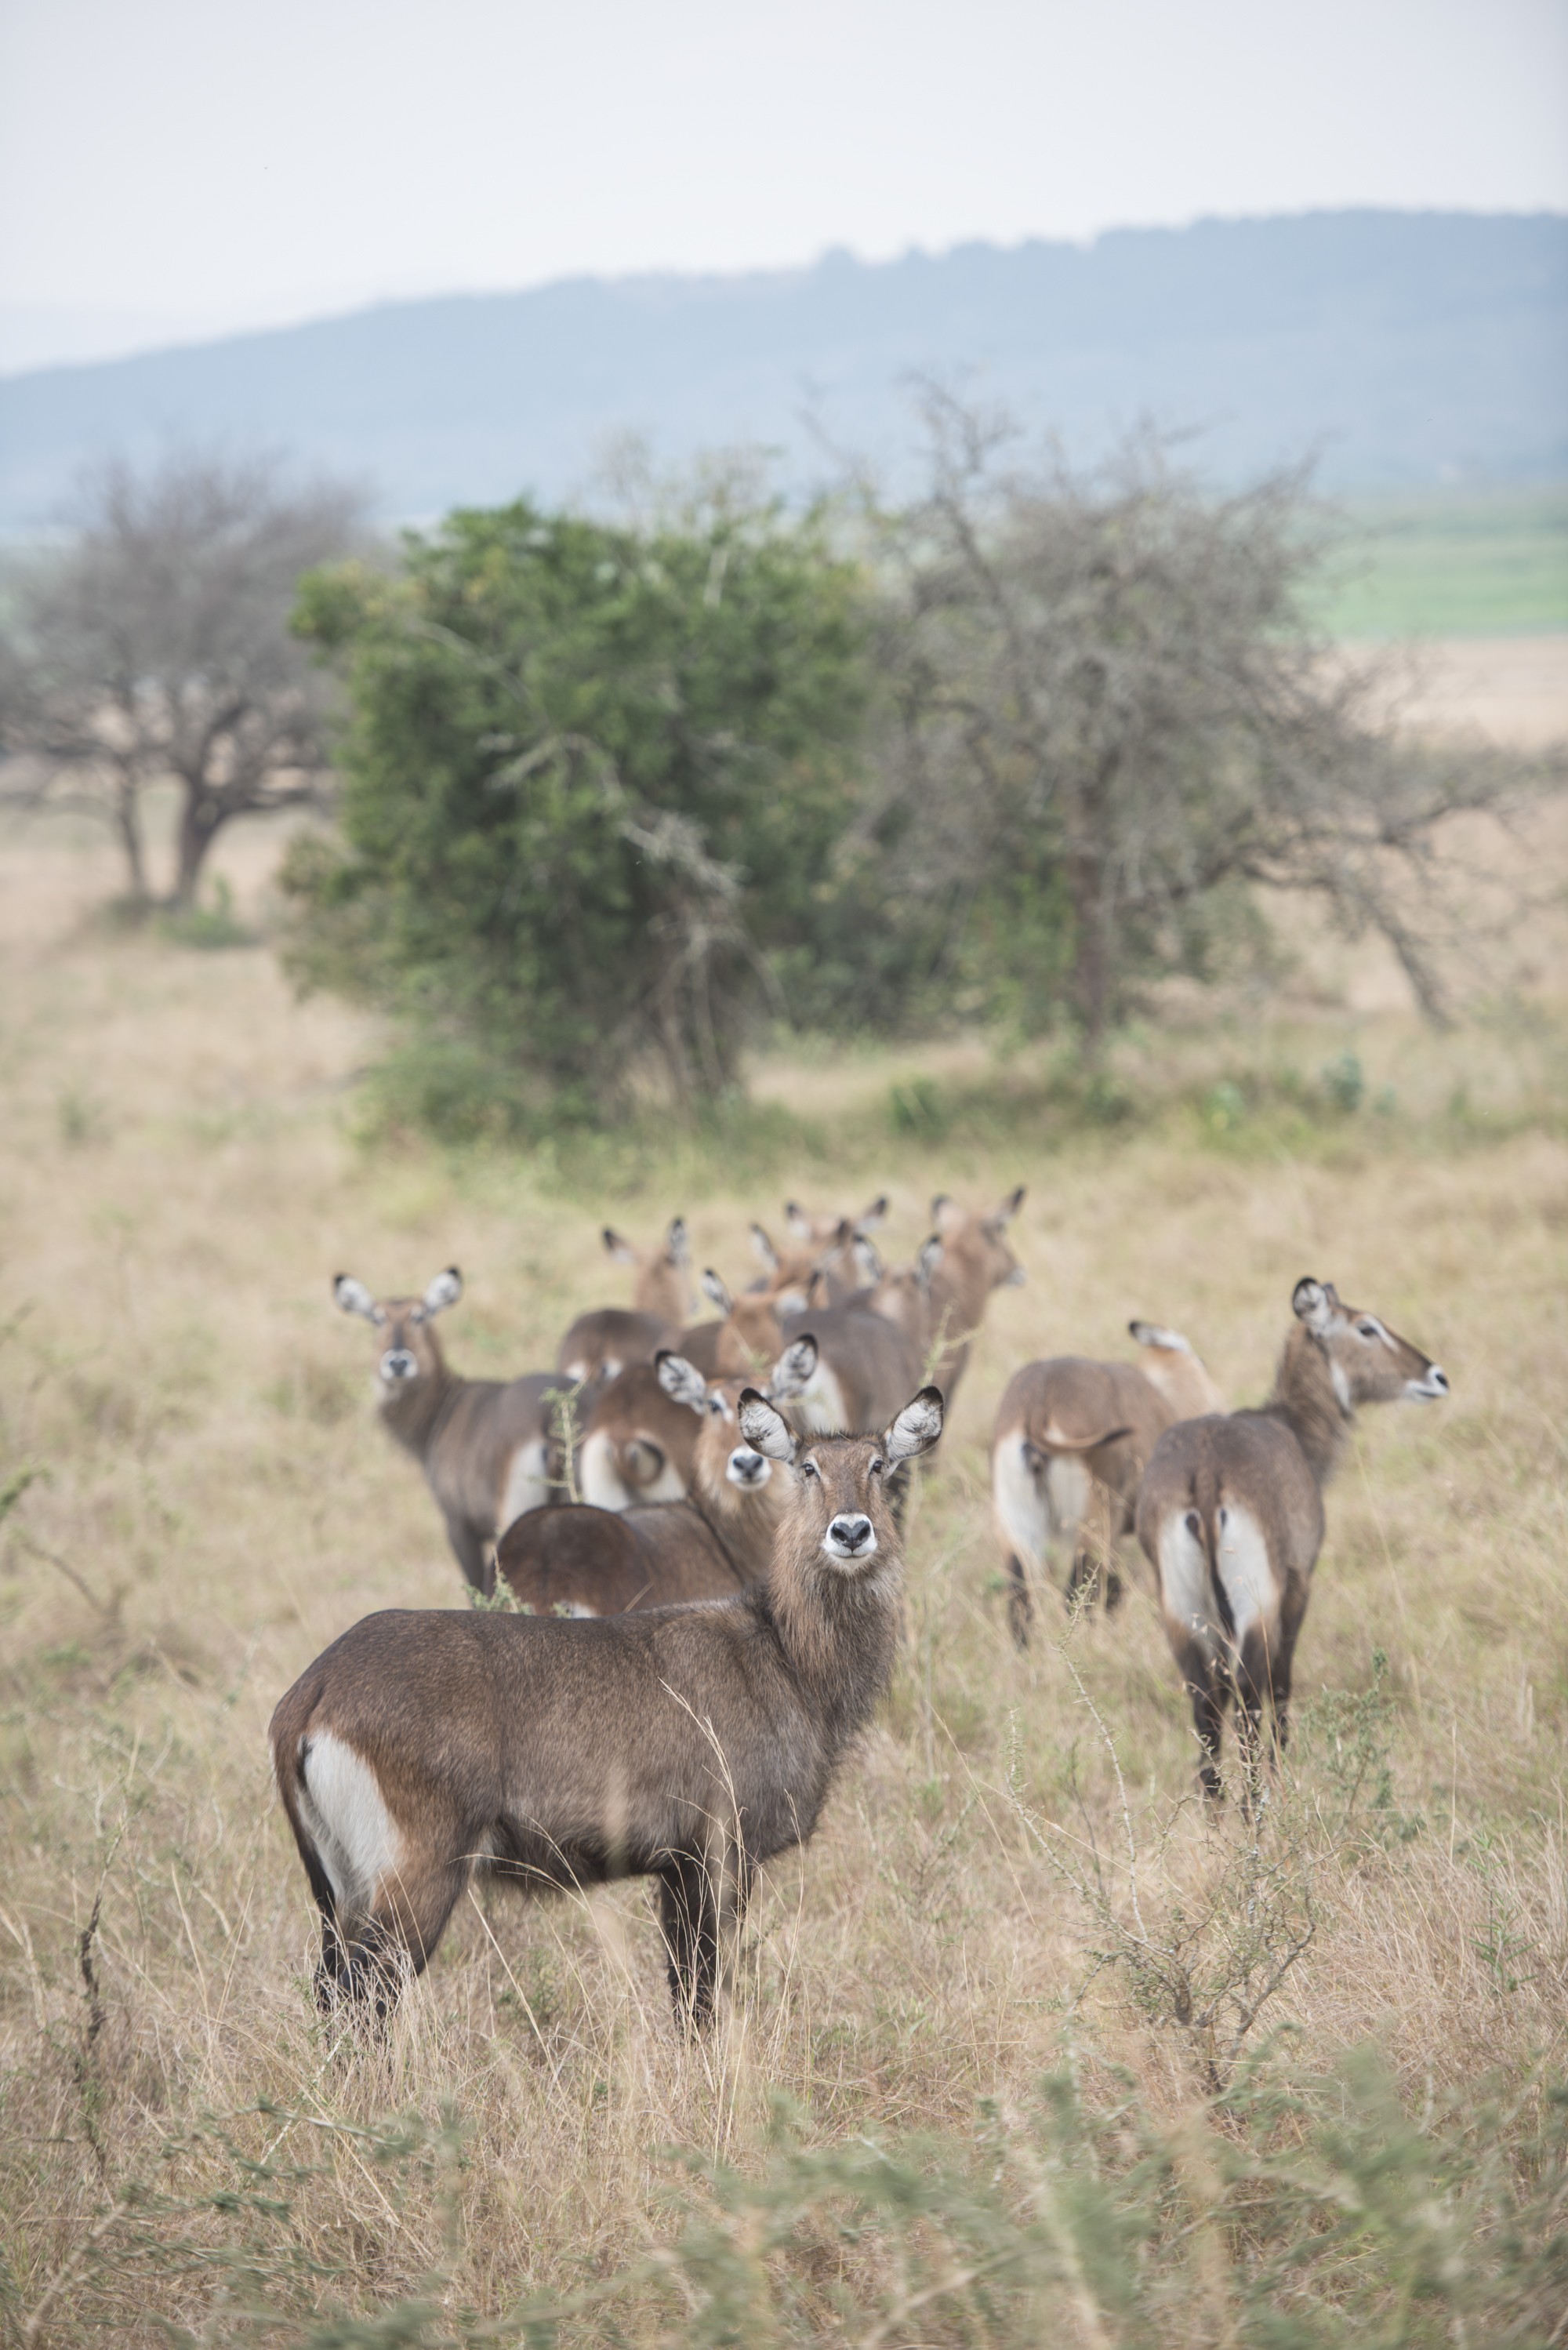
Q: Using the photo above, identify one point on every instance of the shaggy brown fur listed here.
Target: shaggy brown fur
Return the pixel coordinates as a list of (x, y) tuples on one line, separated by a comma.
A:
[(1230, 1513), (690, 1744)]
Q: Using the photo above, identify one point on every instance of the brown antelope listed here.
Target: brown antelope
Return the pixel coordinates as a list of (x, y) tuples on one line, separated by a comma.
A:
[(825, 1267), (976, 1259), (1231, 1515), (484, 1444), (596, 1562), (636, 1444), (1071, 1441), (604, 1341), (815, 1231), (901, 1295), (689, 1744), (862, 1363)]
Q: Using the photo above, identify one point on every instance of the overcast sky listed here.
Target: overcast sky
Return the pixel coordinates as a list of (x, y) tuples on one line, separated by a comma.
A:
[(180, 167)]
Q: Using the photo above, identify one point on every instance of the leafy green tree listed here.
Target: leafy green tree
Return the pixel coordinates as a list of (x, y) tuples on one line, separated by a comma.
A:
[(592, 785)]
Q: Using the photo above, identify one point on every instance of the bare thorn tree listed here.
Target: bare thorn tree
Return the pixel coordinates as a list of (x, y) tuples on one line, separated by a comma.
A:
[(155, 648), (1108, 692)]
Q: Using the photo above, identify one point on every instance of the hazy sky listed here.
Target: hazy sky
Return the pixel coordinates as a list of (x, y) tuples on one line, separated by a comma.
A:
[(187, 165)]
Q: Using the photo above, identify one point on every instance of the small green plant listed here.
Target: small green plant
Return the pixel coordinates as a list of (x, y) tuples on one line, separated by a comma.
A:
[(1225, 1106), (209, 926), (1343, 1083)]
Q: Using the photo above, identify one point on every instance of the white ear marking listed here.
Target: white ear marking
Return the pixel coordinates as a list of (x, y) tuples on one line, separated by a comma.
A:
[(353, 1298), (1314, 1303), (764, 1429), (682, 1380), (917, 1426), (444, 1290), (714, 1291), (796, 1367)]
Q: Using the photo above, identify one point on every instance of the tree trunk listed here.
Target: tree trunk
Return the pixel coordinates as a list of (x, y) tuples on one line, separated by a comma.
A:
[(199, 817), (1091, 962), (128, 824)]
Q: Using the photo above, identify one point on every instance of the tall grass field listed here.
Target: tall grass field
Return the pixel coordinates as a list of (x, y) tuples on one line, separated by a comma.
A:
[(1023, 2048)]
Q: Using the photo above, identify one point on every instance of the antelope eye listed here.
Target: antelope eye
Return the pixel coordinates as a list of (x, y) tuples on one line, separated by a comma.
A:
[(808, 1468), (876, 1468), (1367, 1329), (715, 1406)]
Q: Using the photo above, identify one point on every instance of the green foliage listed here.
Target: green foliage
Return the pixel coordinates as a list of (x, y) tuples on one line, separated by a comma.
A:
[(210, 925), (594, 782)]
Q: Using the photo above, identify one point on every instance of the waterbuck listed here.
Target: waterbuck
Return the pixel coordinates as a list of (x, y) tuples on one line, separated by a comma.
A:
[(689, 1744), (484, 1444), (976, 1259), (825, 1267), (719, 1539), (637, 1443), (815, 1231), (863, 1362), (1230, 1513), (1071, 1442), (604, 1341)]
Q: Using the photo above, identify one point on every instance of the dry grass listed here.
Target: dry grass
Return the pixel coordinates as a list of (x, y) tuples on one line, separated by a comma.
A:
[(214, 1503)]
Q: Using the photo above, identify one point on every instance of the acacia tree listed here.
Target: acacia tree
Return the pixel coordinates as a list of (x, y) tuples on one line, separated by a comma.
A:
[(155, 648), (1112, 717)]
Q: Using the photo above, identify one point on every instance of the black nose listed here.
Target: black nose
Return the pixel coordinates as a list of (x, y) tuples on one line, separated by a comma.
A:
[(851, 1534), (398, 1364)]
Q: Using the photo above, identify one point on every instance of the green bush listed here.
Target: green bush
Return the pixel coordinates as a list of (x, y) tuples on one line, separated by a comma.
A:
[(594, 780)]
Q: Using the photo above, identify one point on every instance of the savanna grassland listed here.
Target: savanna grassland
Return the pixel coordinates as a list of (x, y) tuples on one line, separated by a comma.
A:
[(1023, 2048)]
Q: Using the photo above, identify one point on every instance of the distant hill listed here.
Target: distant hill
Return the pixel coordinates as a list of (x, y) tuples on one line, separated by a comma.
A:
[(1409, 349)]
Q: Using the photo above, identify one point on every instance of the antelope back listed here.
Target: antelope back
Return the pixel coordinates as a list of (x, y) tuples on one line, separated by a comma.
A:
[(638, 1443), (1168, 1362)]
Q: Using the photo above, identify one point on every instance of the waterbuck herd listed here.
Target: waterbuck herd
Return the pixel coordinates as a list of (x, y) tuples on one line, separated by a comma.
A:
[(685, 1549)]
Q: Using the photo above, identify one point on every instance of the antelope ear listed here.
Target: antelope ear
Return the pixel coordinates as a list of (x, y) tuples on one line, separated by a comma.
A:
[(917, 1428), (945, 1213), (682, 1380), (714, 1291), (1009, 1207), (353, 1298), (795, 1368), (764, 1429), (816, 1293), (764, 1248), (1315, 1302), (930, 1257), (1156, 1335), (676, 1242), (868, 1266), (869, 1218), (444, 1290), (798, 1219), (622, 1251)]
